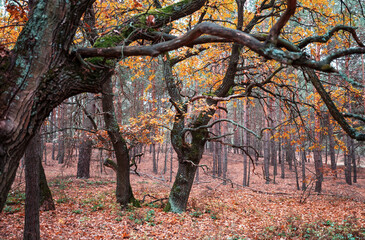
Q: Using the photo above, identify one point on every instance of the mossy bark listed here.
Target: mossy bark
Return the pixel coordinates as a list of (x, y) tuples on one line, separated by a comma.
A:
[(40, 73), (39, 77), (181, 188), (190, 154)]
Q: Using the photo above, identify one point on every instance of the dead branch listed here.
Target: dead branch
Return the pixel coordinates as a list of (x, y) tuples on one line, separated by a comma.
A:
[(156, 199), (197, 165)]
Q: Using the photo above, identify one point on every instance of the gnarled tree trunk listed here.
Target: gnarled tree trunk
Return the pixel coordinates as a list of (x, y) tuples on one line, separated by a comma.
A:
[(36, 76)]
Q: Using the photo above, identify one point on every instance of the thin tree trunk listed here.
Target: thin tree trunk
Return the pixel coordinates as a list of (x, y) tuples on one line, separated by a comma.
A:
[(159, 150), (249, 173), (281, 159), (219, 152), (215, 154), (224, 130), (101, 160), (154, 160), (353, 157), (44, 143), (225, 163), (165, 162), (32, 192), (304, 185), (123, 191), (236, 138), (266, 157), (274, 158), (317, 152), (318, 167), (348, 161), (244, 116), (61, 134), (289, 154), (296, 173), (171, 158), (53, 128), (46, 199), (197, 175), (83, 165), (331, 143)]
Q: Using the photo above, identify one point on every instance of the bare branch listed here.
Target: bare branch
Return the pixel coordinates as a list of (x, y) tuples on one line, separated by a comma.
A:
[(324, 38), (355, 116), (243, 148), (188, 54), (224, 120), (215, 98), (245, 94), (342, 53)]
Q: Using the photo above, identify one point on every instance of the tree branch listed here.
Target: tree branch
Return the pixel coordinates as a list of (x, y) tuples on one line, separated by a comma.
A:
[(355, 116), (313, 78), (293, 57), (276, 29), (324, 38)]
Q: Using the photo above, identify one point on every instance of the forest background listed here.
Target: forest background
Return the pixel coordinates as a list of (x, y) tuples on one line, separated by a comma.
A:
[(257, 131)]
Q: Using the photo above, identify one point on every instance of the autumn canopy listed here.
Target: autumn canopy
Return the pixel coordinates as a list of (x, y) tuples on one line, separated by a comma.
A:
[(303, 58)]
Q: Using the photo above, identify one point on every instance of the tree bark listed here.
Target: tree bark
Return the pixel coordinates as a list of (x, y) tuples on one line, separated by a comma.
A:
[(296, 172), (274, 158), (317, 152), (225, 164), (53, 128), (348, 161), (61, 134), (304, 158), (181, 188), (189, 155), (219, 151), (85, 152), (331, 146), (266, 144), (46, 201), (123, 191), (353, 158), (154, 159), (31, 88), (289, 154), (32, 192), (319, 169), (245, 142), (39, 73)]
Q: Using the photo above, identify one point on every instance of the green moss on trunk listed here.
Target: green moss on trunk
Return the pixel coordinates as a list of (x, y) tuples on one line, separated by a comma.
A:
[(109, 41), (134, 202), (167, 208)]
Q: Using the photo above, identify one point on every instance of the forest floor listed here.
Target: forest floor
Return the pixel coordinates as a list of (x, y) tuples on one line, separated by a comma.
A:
[(86, 209)]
